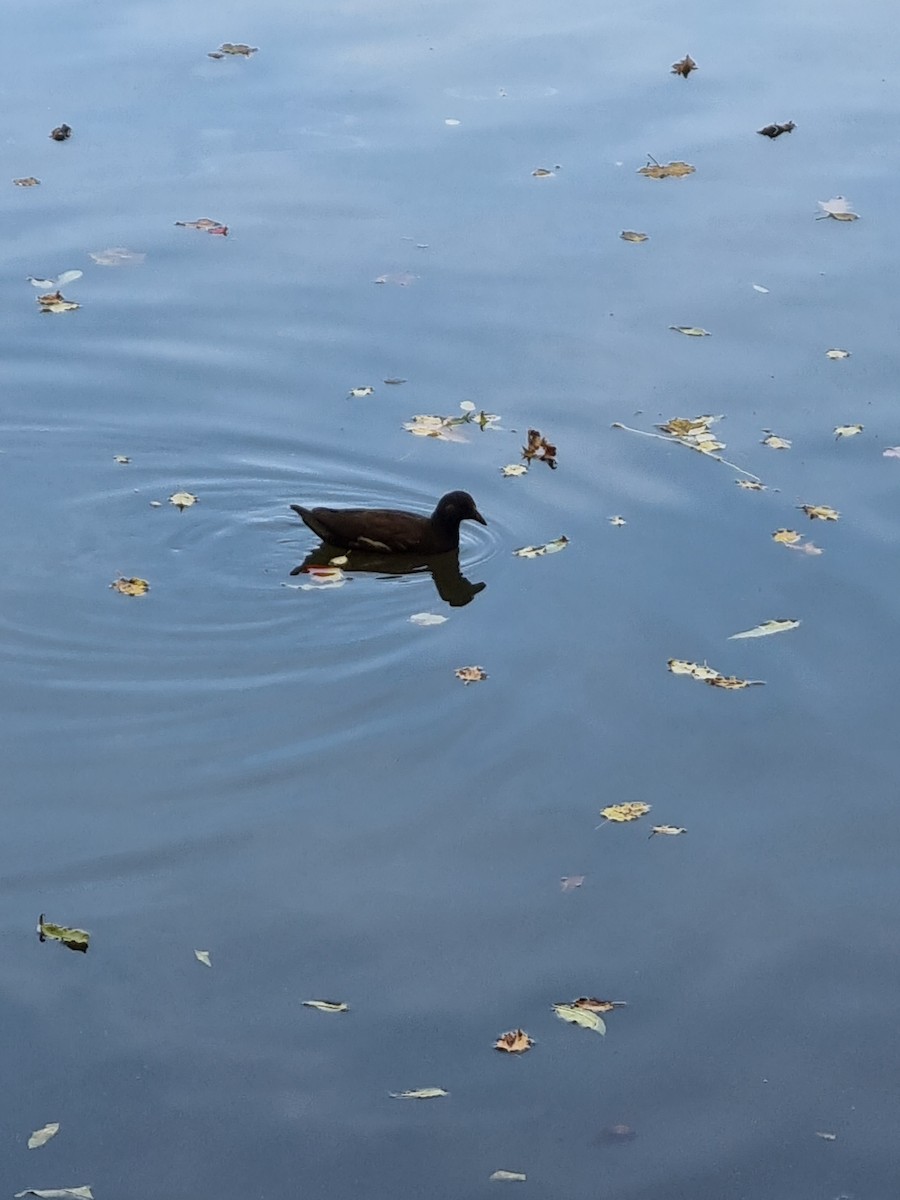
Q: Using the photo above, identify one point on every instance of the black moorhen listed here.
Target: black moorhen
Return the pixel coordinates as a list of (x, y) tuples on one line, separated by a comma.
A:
[(391, 531)]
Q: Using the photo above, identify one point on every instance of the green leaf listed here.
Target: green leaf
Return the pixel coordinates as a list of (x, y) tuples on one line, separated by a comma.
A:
[(75, 939), (580, 1016)]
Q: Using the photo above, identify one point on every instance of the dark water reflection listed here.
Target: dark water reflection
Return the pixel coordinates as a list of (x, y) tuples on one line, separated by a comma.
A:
[(451, 585), (294, 780)]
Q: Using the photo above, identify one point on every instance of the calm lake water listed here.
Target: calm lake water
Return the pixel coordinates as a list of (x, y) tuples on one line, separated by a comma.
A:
[(293, 779)]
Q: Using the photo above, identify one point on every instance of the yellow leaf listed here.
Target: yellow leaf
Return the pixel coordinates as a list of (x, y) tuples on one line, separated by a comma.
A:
[(130, 587), (75, 939), (470, 674), (776, 443), (516, 1041), (819, 512), (786, 536), (577, 1015), (513, 470), (182, 500), (625, 812), (672, 170), (750, 485)]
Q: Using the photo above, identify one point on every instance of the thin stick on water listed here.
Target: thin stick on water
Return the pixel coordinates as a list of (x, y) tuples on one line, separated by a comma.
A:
[(663, 437)]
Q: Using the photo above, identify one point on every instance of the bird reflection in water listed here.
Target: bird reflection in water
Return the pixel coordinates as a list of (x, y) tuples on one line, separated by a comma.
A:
[(452, 586)]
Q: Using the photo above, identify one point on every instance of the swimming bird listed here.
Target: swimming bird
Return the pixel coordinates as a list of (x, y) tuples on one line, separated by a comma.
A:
[(392, 531)]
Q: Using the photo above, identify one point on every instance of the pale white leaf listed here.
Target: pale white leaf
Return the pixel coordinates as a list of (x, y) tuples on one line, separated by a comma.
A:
[(68, 277), (41, 1136), (75, 1193), (203, 957), (507, 1177), (767, 627), (427, 618), (427, 1093), (329, 1006)]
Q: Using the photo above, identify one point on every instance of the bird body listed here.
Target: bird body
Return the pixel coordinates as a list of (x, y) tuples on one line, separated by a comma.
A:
[(393, 531)]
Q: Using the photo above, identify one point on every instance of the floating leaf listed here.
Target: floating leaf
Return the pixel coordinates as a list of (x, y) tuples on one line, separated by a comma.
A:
[(542, 173), (819, 512), (618, 813), (618, 522), (403, 279), (394, 382), (203, 956), (470, 674), (578, 1015), (751, 485), (668, 830), (121, 459), (826, 1137), (805, 547), (774, 442), (445, 429), (690, 330), (205, 225), (672, 170), (427, 618), (684, 66), (75, 939), (427, 1093), (758, 287), (130, 587), (182, 500), (75, 1193), (835, 354), (774, 131), (891, 452), (507, 1177), (569, 883), (842, 431), (516, 1041), (706, 674), (787, 537), (321, 578), (117, 256), (235, 48), (329, 1006), (29, 181), (61, 133), (513, 470), (538, 447), (694, 432), (767, 627), (631, 235), (40, 1137), (359, 392), (600, 1006), (339, 560), (55, 302), (553, 547), (838, 208)]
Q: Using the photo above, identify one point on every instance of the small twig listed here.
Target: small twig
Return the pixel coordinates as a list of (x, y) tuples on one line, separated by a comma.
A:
[(663, 437)]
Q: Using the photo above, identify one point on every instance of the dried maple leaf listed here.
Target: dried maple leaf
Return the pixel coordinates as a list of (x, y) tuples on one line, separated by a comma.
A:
[(595, 1005), (516, 1041), (513, 469), (750, 485), (237, 48), (182, 500), (29, 181), (819, 512), (470, 674), (774, 131), (61, 132), (706, 674), (619, 813), (731, 683), (55, 302), (426, 1093), (694, 432), (787, 537), (618, 522), (672, 170), (130, 587), (539, 447), (329, 1006), (670, 830), (774, 442), (684, 66)]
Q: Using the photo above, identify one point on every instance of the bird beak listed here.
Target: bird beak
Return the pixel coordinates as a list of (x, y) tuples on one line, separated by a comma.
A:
[(476, 516)]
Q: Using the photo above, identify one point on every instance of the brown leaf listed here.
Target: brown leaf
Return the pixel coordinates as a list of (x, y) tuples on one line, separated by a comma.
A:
[(470, 674), (672, 170), (61, 132), (774, 131), (30, 181), (516, 1041), (595, 1005), (684, 66), (207, 224), (539, 447)]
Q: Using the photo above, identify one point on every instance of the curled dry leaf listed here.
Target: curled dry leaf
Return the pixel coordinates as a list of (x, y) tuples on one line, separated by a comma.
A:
[(512, 470), (668, 830), (765, 629), (819, 512), (55, 302), (578, 1015), (706, 674), (774, 131), (694, 432), (61, 132), (632, 235), (203, 956), (507, 1177), (516, 1041), (130, 587), (538, 447), (600, 1006), (684, 66), (826, 1137), (542, 173), (359, 392), (28, 181), (75, 939), (553, 547), (690, 330), (569, 883), (40, 1137), (672, 170), (470, 674), (618, 522), (121, 459), (838, 209), (329, 1006), (619, 813), (75, 1193), (182, 500), (426, 1093), (205, 225), (844, 431), (774, 442), (234, 48), (835, 354), (750, 485)]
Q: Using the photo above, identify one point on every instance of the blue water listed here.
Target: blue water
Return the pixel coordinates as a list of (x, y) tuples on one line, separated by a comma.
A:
[(294, 780)]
